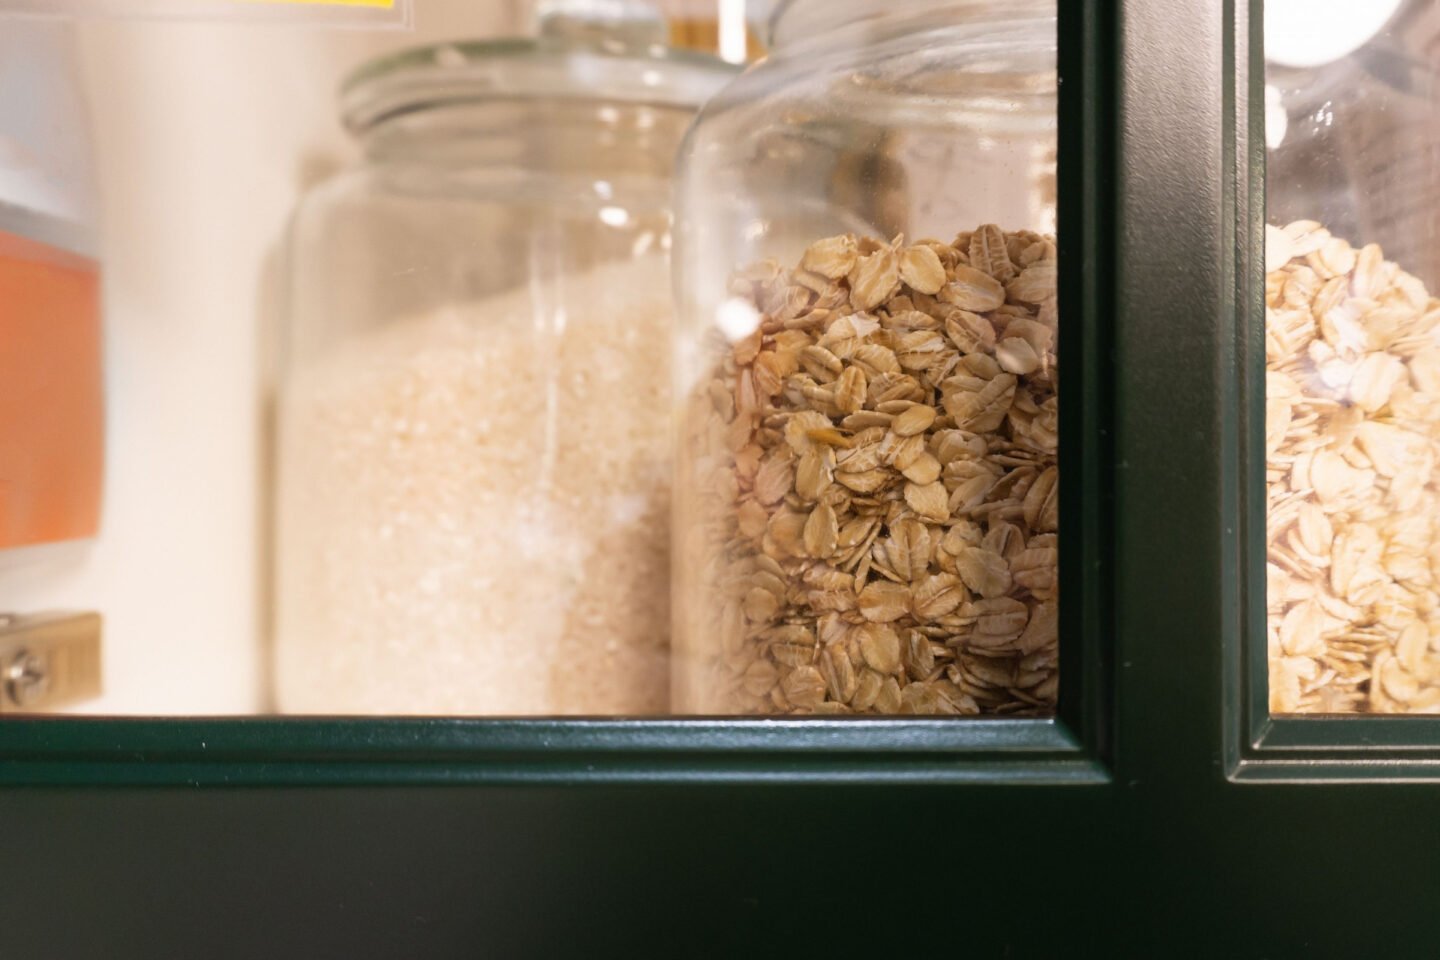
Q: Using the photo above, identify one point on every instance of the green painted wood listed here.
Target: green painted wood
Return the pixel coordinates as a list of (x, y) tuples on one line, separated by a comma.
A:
[(1086, 267), (1162, 814), (449, 751), (714, 872), (1072, 749), (453, 740)]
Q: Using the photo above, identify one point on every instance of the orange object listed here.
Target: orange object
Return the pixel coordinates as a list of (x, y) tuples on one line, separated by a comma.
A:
[(52, 435), (704, 35)]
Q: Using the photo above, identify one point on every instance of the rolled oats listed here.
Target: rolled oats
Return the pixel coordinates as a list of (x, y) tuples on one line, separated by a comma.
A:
[(868, 485), (1352, 439)]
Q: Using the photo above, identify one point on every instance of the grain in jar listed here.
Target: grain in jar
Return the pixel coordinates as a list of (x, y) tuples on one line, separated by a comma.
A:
[(866, 503), (474, 421)]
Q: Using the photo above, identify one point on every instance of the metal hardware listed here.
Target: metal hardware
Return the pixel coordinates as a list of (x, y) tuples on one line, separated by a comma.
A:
[(48, 660)]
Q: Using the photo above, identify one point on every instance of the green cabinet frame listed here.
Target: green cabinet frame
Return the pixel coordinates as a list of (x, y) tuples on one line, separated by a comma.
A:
[(1161, 812)]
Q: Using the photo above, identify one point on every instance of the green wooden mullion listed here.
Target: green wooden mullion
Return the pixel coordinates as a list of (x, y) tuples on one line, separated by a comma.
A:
[(454, 739), (1371, 771), (263, 751), (1085, 238), (1348, 736), (1175, 243), (572, 769), (1247, 713)]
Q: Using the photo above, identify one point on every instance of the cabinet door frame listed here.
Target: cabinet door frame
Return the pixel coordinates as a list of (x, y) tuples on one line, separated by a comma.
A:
[(1162, 812), (1072, 748), (1161, 249)]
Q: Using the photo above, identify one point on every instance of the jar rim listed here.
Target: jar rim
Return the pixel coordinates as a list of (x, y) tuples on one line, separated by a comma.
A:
[(526, 68), (805, 18)]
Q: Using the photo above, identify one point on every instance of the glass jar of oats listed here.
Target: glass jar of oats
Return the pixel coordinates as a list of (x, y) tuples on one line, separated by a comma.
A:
[(1352, 356), (866, 503), (474, 418)]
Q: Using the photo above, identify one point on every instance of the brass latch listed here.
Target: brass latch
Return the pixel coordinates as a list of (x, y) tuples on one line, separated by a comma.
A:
[(48, 660)]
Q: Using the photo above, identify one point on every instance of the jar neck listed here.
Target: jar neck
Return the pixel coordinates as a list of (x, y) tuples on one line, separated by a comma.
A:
[(550, 135), (797, 22), (458, 132)]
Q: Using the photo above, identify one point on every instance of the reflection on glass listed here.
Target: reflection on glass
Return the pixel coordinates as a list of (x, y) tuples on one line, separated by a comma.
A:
[(1353, 356), (866, 504)]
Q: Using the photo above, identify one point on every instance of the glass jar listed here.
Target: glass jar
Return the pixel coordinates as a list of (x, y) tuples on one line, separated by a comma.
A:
[(1352, 356), (866, 485), (475, 416)]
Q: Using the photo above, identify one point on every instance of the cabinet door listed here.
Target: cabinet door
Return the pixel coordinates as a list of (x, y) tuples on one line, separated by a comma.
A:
[(1164, 790)]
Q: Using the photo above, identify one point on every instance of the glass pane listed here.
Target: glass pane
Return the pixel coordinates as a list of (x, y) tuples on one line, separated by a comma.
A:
[(866, 499), (457, 362), (1353, 355), (385, 422)]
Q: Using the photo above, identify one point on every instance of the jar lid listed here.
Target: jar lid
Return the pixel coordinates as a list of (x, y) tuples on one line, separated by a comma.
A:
[(554, 68), (1312, 33)]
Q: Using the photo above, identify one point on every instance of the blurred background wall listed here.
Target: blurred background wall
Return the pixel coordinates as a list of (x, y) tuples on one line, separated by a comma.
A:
[(205, 133)]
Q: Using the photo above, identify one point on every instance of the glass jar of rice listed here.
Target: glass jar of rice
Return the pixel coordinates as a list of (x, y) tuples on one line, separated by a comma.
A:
[(474, 418)]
